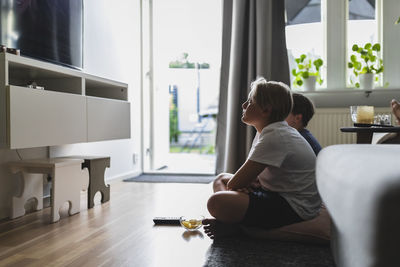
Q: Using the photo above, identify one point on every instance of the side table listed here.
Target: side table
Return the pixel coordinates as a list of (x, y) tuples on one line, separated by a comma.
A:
[(364, 134)]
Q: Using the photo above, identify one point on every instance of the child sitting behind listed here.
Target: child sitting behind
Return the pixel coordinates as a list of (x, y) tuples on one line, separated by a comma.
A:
[(302, 112), (280, 159)]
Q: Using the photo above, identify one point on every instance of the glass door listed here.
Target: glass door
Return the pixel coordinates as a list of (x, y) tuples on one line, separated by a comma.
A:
[(182, 85)]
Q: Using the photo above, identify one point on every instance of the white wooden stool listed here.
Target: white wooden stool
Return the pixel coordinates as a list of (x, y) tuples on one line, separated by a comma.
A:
[(97, 166), (31, 187), (68, 179)]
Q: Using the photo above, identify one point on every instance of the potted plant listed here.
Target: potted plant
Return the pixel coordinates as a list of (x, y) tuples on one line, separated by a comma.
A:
[(307, 72), (366, 64)]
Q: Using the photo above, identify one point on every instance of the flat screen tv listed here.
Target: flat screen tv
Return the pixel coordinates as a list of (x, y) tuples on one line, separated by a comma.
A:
[(50, 30)]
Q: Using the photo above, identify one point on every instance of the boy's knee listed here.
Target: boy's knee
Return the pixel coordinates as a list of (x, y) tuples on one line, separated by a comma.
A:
[(214, 204)]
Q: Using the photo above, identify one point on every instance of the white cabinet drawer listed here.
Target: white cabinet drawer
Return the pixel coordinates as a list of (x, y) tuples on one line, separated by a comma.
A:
[(108, 119), (44, 118)]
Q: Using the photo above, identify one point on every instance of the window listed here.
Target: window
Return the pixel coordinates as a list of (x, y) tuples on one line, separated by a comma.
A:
[(304, 33), (333, 26), (361, 29)]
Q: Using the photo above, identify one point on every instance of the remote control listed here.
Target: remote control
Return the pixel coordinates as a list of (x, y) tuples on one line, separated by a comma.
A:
[(166, 221)]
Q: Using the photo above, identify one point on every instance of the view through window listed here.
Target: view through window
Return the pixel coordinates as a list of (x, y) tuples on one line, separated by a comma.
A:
[(187, 52), (361, 29), (304, 36)]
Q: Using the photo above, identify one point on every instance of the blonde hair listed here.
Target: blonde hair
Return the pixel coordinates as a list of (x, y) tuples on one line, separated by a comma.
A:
[(274, 95)]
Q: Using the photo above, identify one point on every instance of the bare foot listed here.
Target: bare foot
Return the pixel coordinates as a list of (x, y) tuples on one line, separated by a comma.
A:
[(215, 229), (396, 109)]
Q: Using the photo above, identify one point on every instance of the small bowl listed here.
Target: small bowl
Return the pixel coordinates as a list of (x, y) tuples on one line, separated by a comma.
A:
[(191, 223)]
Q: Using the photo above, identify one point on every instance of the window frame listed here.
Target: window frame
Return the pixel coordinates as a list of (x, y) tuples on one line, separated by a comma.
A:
[(334, 16)]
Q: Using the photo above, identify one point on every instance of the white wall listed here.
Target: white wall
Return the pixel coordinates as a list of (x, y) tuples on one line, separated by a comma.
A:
[(112, 50)]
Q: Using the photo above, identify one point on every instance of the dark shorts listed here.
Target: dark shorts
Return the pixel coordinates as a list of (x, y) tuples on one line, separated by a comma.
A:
[(269, 210)]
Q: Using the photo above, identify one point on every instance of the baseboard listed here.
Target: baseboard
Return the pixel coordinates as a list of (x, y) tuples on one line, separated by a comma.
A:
[(4, 214)]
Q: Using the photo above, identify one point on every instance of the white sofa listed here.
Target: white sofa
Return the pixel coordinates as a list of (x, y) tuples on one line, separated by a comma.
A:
[(360, 186)]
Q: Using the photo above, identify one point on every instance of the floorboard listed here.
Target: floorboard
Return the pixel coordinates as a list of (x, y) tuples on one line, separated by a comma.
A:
[(117, 233)]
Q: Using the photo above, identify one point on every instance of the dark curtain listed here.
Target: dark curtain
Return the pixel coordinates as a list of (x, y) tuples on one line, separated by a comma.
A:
[(253, 45)]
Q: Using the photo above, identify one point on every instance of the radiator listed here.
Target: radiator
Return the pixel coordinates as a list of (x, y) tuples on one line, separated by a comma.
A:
[(326, 124)]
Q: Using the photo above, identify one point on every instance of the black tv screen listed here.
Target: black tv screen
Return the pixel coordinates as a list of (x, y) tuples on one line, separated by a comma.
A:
[(50, 30)]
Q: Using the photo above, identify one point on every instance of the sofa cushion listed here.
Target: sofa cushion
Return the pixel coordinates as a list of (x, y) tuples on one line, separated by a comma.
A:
[(315, 231)]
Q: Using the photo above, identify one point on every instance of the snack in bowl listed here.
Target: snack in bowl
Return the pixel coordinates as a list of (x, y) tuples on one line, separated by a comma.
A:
[(191, 223)]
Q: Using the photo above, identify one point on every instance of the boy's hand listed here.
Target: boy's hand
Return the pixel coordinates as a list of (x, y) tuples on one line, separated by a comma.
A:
[(256, 184), (246, 190), (253, 186)]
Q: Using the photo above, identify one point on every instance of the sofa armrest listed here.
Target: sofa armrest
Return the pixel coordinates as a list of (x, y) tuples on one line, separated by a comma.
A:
[(360, 186)]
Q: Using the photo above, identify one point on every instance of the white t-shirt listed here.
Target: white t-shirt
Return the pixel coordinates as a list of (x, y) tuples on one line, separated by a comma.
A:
[(291, 167)]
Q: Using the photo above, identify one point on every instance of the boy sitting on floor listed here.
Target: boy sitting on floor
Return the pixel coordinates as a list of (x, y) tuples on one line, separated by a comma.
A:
[(302, 112), (280, 159)]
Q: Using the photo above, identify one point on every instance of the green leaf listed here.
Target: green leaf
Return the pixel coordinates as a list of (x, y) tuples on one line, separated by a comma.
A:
[(353, 58), (354, 48), (305, 74), (299, 82), (302, 57), (294, 73), (300, 66), (318, 63), (357, 65), (367, 46), (297, 60), (364, 52), (359, 50), (397, 21), (358, 85), (376, 47), (350, 65)]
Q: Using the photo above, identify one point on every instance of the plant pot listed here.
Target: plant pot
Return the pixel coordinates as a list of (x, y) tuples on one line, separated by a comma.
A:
[(309, 83), (367, 81)]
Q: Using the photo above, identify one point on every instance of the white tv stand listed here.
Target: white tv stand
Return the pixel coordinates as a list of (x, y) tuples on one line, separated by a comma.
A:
[(74, 107)]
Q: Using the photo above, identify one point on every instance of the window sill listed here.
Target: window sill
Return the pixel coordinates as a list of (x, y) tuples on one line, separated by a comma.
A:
[(378, 97)]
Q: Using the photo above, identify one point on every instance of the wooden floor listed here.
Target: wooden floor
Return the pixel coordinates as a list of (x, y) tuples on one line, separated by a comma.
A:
[(117, 233)]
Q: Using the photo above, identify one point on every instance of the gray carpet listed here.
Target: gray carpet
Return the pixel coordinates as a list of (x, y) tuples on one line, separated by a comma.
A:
[(171, 178), (249, 252)]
